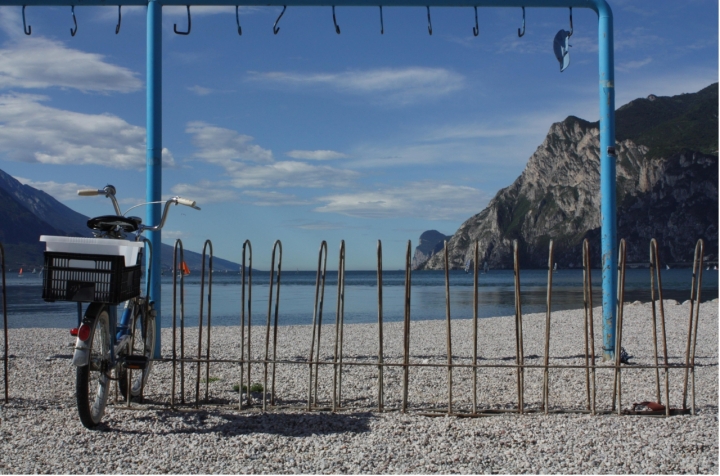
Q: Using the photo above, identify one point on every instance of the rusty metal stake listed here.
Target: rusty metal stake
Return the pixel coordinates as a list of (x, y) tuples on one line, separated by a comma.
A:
[(655, 266), (381, 397), (339, 324), (546, 374), (617, 384), (277, 250), (406, 328), (589, 331), (245, 270), (448, 328), (519, 355), (317, 321), (176, 271), (475, 328), (695, 291), (5, 324)]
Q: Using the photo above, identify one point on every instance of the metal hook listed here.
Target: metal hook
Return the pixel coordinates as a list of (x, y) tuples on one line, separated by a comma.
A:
[(237, 19), (337, 28), (189, 24), (117, 28), (382, 27), (571, 25), (429, 22), (521, 33), (28, 28), (72, 32), (476, 30), (275, 27)]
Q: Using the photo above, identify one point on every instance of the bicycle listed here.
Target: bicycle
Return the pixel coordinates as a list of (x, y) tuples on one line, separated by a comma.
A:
[(105, 271)]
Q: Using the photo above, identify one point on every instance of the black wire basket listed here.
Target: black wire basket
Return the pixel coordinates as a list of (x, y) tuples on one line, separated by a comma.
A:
[(89, 278)]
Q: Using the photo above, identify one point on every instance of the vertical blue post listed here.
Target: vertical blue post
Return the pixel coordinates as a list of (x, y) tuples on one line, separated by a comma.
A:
[(607, 177), (153, 191)]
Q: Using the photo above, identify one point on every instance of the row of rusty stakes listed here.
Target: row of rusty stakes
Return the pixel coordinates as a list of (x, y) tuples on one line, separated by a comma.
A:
[(314, 360), (245, 272), (5, 326), (277, 251)]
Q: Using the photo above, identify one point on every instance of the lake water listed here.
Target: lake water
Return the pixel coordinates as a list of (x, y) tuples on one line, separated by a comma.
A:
[(297, 293)]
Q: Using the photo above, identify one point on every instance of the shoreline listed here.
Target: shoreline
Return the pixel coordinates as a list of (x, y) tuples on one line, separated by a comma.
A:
[(41, 432)]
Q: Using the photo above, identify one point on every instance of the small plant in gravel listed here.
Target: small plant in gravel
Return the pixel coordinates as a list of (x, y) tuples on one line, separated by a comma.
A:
[(254, 388), (211, 380)]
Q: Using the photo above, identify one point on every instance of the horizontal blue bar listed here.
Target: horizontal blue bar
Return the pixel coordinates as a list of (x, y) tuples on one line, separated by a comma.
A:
[(592, 4)]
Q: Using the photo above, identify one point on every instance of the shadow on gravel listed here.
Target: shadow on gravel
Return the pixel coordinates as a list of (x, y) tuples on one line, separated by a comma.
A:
[(229, 424)]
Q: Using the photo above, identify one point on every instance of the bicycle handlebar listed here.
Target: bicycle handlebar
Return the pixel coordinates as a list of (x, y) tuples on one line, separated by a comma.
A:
[(109, 191)]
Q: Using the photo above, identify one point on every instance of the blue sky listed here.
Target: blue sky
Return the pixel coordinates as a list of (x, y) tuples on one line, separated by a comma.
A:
[(308, 135)]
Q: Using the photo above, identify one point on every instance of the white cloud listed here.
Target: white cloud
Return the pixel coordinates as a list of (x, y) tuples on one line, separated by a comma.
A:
[(316, 154), (427, 199), (631, 65), (39, 63), (33, 132), (273, 199), (292, 174), (225, 147), (199, 90), (59, 191), (250, 166), (319, 225), (205, 192), (401, 86)]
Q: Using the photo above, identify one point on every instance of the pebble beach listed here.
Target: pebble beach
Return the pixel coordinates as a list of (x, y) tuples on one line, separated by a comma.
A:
[(40, 431)]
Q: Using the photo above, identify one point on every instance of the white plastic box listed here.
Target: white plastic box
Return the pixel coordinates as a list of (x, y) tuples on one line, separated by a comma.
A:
[(94, 246)]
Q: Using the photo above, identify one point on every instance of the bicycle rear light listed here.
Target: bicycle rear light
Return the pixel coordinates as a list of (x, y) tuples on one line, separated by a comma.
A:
[(74, 331), (84, 332)]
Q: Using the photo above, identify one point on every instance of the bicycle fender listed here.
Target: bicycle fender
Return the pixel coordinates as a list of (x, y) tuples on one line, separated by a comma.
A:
[(81, 356)]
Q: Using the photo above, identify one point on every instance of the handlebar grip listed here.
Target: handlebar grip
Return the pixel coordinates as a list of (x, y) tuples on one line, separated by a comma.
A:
[(88, 193), (186, 202)]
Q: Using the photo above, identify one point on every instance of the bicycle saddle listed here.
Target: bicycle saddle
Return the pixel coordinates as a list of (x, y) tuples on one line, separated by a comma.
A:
[(110, 222)]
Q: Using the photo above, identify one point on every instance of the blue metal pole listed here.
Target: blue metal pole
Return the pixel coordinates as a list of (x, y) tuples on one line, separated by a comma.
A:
[(153, 191), (607, 177)]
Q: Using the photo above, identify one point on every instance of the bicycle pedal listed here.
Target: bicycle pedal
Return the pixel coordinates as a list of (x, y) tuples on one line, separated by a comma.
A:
[(135, 362)]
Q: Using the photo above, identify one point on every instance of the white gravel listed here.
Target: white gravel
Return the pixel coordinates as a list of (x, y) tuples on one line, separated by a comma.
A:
[(40, 431)]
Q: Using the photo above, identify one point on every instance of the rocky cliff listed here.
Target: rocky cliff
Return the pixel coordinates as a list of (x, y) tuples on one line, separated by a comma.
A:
[(667, 188)]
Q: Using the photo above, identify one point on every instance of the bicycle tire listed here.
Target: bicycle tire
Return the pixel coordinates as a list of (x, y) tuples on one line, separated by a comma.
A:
[(143, 344), (92, 382)]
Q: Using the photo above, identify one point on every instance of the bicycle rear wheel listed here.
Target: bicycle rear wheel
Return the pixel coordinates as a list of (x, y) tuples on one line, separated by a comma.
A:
[(92, 382), (143, 343)]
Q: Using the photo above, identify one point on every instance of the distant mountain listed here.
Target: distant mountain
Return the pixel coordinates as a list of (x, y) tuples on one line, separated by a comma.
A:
[(45, 207), (431, 242), (26, 213), (667, 188)]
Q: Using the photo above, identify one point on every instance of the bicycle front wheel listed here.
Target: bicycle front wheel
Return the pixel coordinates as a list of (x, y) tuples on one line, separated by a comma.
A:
[(92, 381), (143, 343)]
